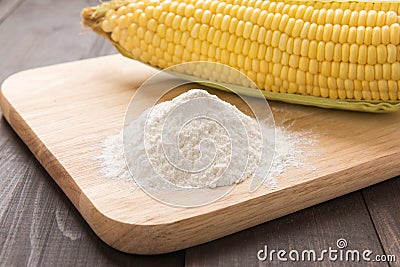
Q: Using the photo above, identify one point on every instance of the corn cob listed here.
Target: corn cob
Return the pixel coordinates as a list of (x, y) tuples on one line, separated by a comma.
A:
[(330, 54)]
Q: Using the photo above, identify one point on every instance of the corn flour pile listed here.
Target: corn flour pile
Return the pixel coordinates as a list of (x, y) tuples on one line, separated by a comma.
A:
[(222, 148)]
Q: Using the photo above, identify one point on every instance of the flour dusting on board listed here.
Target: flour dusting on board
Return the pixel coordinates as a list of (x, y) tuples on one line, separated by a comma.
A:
[(289, 147)]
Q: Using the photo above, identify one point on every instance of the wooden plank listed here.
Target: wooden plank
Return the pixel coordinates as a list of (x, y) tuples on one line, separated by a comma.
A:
[(315, 228), (91, 246), (46, 32), (383, 202), (8, 7), (91, 105), (39, 225)]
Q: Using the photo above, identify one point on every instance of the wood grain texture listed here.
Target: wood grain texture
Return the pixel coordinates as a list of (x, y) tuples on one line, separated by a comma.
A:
[(38, 224), (45, 32), (117, 213), (8, 7), (314, 228), (383, 201), (16, 160)]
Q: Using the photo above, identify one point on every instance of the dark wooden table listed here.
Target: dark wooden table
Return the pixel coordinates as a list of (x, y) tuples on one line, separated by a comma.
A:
[(39, 225)]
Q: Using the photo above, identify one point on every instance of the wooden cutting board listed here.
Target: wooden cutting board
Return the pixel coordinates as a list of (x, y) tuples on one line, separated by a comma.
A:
[(64, 112)]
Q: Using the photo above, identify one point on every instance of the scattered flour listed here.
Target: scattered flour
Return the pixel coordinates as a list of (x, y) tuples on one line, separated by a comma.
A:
[(157, 143)]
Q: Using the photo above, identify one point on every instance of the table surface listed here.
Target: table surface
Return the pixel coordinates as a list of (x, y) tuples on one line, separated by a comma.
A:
[(40, 226)]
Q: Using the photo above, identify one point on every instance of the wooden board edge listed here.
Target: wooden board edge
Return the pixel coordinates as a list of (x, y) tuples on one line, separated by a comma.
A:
[(163, 238), (59, 174)]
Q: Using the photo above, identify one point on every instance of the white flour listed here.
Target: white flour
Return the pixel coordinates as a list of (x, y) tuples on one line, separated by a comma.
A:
[(203, 150)]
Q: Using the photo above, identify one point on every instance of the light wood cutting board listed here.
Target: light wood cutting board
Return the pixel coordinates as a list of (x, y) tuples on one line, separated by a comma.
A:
[(64, 112)]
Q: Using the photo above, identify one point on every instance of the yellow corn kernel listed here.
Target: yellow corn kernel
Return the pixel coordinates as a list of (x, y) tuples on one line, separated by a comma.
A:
[(335, 50)]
